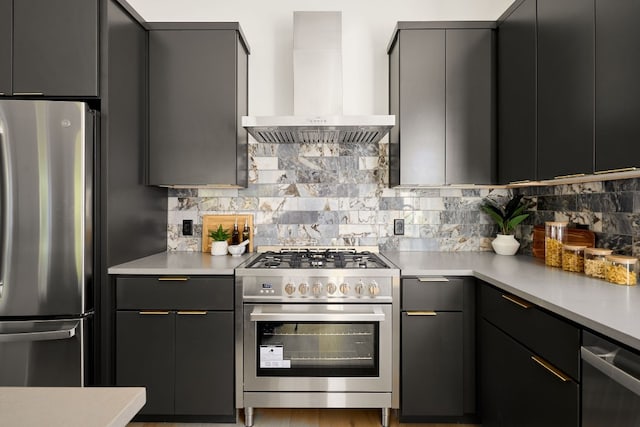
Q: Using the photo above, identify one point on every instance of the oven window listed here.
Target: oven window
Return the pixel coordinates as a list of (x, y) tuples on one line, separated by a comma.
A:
[(317, 349)]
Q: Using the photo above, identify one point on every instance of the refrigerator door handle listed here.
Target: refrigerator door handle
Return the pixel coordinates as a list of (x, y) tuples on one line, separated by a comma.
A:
[(66, 331), (6, 205)]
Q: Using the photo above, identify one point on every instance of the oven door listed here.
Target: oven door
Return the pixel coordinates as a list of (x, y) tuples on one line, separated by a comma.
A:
[(317, 347)]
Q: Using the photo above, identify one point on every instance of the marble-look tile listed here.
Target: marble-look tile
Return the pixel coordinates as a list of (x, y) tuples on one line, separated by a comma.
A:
[(618, 223), (621, 244), (182, 192), (606, 202), (276, 176), (431, 204)]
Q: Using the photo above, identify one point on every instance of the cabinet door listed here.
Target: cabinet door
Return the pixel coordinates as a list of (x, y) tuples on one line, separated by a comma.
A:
[(617, 84), (517, 95), (192, 107), (565, 87), (204, 363), (422, 106), (470, 115), (432, 364), (6, 35), (145, 357), (517, 391), (55, 47)]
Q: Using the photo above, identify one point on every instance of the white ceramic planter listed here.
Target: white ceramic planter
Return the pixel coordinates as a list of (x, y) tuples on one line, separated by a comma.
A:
[(505, 244), (219, 248)]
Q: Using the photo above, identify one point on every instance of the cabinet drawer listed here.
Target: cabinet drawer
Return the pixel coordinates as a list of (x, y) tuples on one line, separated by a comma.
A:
[(555, 339), (432, 293), (175, 293)]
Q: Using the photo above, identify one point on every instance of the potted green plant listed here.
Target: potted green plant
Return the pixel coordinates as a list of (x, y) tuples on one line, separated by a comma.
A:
[(507, 212), (219, 244)]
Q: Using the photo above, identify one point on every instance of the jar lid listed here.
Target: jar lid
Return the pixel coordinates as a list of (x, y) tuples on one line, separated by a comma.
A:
[(574, 247), (557, 223), (598, 251), (622, 259)]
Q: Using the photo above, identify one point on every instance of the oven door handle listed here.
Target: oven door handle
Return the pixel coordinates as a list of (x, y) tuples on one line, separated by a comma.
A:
[(376, 315)]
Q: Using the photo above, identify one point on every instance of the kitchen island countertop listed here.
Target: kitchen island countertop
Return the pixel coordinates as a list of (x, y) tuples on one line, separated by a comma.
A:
[(70, 406), (194, 263), (609, 309)]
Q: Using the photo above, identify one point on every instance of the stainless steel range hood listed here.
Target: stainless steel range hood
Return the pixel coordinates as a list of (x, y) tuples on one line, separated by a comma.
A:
[(317, 75)]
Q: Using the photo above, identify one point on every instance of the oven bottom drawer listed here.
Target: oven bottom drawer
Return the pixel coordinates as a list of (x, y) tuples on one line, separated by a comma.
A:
[(317, 400)]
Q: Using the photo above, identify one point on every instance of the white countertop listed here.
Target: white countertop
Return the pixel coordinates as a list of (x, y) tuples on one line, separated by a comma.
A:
[(612, 310), (194, 263), (70, 406)]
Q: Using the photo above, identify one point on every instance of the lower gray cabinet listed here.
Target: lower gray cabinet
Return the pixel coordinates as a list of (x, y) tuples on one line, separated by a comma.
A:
[(528, 364), (437, 372), (432, 380), (145, 356), (183, 356)]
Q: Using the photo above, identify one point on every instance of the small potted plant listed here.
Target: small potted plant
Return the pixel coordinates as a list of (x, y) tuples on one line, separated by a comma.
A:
[(219, 244), (507, 212)]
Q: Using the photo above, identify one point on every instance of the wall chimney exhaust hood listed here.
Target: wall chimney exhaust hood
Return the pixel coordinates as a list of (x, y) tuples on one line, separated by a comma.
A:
[(317, 90)]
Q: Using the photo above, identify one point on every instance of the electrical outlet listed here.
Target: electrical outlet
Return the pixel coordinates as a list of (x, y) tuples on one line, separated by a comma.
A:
[(187, 227), (398, 227)]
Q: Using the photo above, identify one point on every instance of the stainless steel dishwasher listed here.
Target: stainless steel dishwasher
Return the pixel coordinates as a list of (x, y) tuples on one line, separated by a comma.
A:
[(610, 383)]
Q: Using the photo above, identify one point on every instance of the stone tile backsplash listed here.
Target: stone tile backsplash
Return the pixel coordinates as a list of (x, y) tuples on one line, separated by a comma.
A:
[(337, 194), (611, 209)]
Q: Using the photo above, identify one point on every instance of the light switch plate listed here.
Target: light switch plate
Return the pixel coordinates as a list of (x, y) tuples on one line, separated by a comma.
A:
[(187, 227), (398, 227)]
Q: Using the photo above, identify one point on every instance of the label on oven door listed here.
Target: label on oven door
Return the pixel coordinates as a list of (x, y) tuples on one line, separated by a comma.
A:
[(271, 357)]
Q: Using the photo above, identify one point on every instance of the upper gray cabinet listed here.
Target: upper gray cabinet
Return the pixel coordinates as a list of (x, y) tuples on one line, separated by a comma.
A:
[(517, 94), (441, 90), (617, 127), (565, 87), (197, 96), (49, 48)]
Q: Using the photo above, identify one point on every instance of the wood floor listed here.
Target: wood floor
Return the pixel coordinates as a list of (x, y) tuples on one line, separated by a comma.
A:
[(308, 418)]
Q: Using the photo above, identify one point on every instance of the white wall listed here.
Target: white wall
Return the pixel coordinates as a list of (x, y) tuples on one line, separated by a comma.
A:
[(367, 28)]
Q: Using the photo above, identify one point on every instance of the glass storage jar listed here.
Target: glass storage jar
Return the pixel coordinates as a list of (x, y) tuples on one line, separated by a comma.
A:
[(573, 258), (555, 235), (595, 262), (622, 270)]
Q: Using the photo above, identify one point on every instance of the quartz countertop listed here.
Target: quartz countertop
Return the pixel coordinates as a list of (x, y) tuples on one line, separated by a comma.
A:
[(194, 263), (70, 406), (609, 309)]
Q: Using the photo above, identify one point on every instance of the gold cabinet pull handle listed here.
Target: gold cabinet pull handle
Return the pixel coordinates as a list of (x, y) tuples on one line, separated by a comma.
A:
[(517, 301), (421, 313), (432, 279), (192, 312), (153, 312), (555, 371), (173, 279)]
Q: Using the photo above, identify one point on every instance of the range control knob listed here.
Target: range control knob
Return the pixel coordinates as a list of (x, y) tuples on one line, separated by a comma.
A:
[(316, 289), (289, 288), (360, 288), (344, 288), (331, 288), (303, 288), (374, 289)]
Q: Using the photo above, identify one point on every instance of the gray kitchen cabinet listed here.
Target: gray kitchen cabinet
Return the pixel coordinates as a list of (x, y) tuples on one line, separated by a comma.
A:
[(529, 363), (175, 336), (6, 32), (617, 67), (197, 96), (437, 361), (517, 142), (145, 346), (53, 47), (565, 48), (441, 90)]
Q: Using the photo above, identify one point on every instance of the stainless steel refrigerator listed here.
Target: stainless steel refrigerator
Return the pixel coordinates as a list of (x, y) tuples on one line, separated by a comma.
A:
[(46, 241)]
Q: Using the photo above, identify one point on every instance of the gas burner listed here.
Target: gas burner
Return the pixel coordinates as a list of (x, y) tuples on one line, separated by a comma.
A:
[(318, 258)]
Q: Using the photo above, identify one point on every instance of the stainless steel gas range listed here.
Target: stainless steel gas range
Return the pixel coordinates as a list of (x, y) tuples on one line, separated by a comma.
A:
[(317, 327)]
